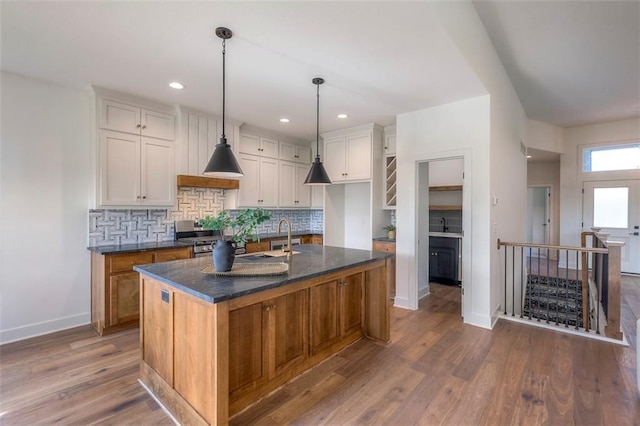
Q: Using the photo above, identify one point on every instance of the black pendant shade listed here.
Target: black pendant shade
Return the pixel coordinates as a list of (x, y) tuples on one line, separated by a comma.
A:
[(223, 163), (317, 174)]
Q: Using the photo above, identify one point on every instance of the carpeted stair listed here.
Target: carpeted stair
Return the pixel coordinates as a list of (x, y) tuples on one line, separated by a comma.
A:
[(556, 300)]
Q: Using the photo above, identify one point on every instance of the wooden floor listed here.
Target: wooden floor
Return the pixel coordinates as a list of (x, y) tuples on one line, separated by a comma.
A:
[(436, 371)]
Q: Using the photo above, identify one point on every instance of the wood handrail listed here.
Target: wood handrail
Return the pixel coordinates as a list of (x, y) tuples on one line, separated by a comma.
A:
[(546, 246)]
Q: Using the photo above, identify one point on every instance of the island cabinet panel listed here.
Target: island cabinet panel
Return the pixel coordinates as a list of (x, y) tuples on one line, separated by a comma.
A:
[(247, 354), (193, 327), (378, 303), (157, 330), (351, 311), (288, 331), (325, 324)]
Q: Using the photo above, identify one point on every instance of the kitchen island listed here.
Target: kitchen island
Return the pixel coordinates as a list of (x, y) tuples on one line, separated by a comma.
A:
[(212, 345)]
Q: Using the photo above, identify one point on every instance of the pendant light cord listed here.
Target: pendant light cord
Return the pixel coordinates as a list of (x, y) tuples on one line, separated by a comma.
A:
[(224, 51), (318, 121)]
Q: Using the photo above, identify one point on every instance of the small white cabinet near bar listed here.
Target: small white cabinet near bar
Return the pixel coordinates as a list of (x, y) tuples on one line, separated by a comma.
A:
[(136, 152), (348, 157), (293, 192)]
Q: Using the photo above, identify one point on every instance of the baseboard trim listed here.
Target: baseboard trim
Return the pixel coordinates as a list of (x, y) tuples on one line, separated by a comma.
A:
[(569, 330), (402, 302), (42, 328)]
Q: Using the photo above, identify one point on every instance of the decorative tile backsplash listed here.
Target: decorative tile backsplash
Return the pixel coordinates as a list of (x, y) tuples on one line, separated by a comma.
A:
[(107, 227)]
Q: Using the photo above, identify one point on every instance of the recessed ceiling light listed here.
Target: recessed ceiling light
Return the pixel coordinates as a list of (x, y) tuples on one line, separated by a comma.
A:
[(342, 116), (284, 120), (176, 85), (528, 156)]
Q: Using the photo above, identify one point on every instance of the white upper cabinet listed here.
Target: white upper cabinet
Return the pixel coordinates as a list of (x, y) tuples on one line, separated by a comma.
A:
[(257, 145), (259, 185), (136, 170), (127, 118), (348, 158), (296, 153), (292, 191), (389, 143)]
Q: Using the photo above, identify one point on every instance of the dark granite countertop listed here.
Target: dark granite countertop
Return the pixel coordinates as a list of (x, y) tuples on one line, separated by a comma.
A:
[(385, 240), (132, 248), (312, 261)]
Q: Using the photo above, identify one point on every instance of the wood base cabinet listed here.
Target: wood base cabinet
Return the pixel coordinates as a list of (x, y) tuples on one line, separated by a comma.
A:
[(207, 361), (115, 286), (388, 247)]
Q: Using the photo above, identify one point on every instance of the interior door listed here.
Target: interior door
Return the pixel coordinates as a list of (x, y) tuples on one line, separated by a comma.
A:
[(538, 214), (614, 206)]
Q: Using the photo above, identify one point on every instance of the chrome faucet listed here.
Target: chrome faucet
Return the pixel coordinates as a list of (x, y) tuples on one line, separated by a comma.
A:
[(288, 248)]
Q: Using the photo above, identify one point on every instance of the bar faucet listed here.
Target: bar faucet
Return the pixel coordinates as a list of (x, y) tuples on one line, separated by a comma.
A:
[(444, 224), (288, 248)]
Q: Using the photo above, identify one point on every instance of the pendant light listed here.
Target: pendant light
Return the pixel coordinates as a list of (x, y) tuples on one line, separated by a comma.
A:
[(317, 174), (223, 163)]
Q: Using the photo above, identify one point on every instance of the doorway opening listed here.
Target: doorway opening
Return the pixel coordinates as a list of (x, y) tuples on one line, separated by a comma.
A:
[(539, 216)]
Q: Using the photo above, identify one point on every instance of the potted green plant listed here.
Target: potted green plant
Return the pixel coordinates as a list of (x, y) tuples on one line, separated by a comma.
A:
[(243, 228), (391, 231)]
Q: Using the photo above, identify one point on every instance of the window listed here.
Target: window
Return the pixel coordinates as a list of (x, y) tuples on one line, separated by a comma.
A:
[(609, 158), (610, 207)]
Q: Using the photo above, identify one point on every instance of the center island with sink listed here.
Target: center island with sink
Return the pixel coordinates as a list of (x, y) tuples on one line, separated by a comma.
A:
[(212, 345)]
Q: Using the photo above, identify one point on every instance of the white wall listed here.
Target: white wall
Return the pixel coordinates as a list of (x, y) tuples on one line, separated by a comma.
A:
[(46, 184), (571, 176), (459, 129), (543, 136)]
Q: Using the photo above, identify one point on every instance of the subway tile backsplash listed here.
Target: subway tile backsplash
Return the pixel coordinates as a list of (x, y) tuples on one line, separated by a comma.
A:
[(108, 227)]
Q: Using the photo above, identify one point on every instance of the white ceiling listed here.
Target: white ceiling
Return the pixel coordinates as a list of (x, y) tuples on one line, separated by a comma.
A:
[(570, 62)]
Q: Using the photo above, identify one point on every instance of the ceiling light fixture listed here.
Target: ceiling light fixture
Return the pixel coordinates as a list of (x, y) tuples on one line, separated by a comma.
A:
[(223, 163), (342, 116), (317, 174), (284, 120), (176, 85)]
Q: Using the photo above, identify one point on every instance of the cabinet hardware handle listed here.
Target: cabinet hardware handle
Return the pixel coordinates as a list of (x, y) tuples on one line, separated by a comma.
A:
[(144, 197), (138, 197), (144, 127), (138, 126), (267, 308)]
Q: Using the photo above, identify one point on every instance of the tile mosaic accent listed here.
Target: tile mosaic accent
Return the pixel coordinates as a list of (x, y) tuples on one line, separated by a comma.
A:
[(108, 227), (453, 219)]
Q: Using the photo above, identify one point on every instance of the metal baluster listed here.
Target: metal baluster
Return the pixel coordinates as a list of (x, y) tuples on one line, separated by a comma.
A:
[(538, 287), (598, 289), (513, 281), (585, 326), (505, 280), (566, 293), (529, 282), (548, 286), (521, 277)]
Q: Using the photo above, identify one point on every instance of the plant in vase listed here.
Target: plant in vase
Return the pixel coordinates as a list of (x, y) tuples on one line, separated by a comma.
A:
[(243, 228), (391, 231)]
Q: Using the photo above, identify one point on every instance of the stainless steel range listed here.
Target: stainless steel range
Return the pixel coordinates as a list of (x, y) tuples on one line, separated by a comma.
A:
[(201, 239)]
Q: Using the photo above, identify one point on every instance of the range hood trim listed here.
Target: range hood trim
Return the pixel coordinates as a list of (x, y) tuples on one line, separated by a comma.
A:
[(207, 182)]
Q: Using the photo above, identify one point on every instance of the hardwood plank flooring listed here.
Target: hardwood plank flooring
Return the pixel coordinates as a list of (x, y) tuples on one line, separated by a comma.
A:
[(436, 371)]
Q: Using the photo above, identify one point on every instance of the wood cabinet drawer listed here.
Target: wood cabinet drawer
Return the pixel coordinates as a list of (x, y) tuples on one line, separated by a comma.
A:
[(384, 246), (316, 239), (168, 255), (126, 262), (256, 247)]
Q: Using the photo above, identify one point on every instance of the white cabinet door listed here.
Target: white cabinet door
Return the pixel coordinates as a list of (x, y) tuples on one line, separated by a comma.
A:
[(303, 192), (158, 172), (303, 154), (287, 184), (268, 183), (120, 117), (249, 144), (287, 151), (157, 124), (249, 192), (268, 148), (119, 169), (390, 144), (358, 157), (334, 159)]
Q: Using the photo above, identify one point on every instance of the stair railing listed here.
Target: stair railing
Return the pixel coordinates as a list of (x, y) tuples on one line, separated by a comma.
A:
[(546, 284)]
